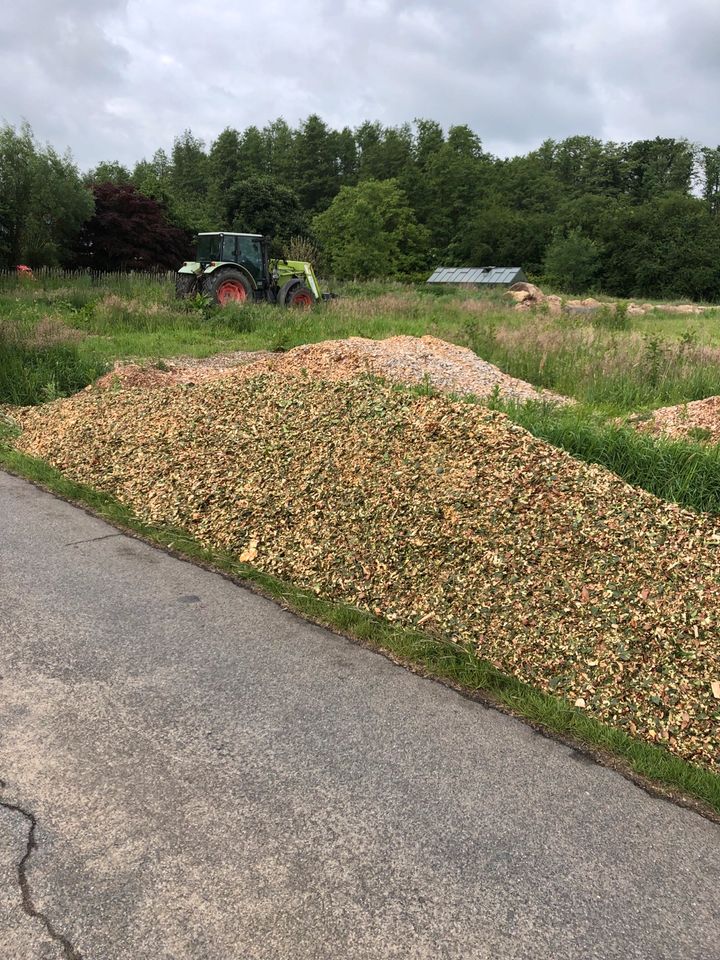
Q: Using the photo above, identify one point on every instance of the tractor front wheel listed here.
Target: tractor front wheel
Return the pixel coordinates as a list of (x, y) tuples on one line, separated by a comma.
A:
[(300, 297), (228, 286), (185, 285)]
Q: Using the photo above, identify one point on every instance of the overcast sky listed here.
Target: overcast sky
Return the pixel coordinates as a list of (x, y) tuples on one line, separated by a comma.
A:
[(116, 79)]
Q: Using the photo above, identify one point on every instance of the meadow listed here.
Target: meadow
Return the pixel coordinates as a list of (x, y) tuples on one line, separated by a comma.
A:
[(58, 333)]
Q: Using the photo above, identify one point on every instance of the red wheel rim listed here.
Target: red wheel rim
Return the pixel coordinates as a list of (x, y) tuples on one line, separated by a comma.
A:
[(231, 291), (302, 300)]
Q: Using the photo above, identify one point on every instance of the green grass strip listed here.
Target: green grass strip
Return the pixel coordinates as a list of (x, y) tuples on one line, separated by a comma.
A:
[(653, 767)]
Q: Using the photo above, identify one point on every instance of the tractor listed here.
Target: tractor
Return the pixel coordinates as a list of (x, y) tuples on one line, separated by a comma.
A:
[(236, 268)]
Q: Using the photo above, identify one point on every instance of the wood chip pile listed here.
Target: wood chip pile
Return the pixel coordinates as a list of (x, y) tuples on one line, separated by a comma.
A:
[(697, 420), (409, 360), (429, 512)]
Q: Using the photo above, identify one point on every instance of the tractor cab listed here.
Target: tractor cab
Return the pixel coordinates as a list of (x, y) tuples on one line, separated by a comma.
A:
[(246, 249), (235, 268)]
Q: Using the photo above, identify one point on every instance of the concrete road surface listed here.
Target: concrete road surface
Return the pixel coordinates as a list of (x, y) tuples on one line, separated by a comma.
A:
[(192, 772)]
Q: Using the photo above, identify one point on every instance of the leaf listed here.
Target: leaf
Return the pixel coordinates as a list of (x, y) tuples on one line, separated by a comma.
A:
[(715, 687)]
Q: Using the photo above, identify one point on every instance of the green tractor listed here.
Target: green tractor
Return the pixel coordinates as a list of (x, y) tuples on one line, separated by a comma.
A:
[(236, 268)]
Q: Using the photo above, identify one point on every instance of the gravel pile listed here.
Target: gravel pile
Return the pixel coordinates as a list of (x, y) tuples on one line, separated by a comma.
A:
[(429, 512), (409, 360)]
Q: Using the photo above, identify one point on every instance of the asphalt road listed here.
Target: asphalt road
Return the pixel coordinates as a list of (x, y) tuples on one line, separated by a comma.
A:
[(213, 778)]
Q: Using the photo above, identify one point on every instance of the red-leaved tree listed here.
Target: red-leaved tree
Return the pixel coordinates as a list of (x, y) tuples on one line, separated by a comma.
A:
[(129, 231)]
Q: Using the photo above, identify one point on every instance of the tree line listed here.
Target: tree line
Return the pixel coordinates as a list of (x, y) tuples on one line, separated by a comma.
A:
[(631, 219)]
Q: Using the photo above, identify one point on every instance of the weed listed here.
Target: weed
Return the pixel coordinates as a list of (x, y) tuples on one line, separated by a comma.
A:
[(39, 373), (654, 358), (612, 318), (700, 434)]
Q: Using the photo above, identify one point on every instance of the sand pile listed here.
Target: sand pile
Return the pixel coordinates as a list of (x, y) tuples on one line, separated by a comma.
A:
[(429, 512)]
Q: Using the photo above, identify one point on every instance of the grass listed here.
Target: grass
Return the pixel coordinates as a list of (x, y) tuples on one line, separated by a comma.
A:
[(652, 766), (33, 371), (650, 361), (612, 371)]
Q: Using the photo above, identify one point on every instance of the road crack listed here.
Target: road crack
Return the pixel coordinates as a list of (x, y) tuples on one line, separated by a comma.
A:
[(70, 952), (108, 536)]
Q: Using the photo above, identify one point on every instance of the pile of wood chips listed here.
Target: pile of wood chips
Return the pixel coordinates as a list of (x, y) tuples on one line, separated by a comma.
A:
[(429, 512), (414, 361), (698, 420)]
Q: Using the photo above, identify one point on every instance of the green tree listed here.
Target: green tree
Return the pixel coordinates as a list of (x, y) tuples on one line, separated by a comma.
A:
[(43, 202), (253, 154), (668, 247), (109, 171), (385, 153), (279, 141), (456, 179), (654, 167), (17, 180), (223, 172), (152, 178), (572, 262), (261, 205), (709, 162), (189, 183), (370, 231), (61, 205), (497, 235), (316, 166)]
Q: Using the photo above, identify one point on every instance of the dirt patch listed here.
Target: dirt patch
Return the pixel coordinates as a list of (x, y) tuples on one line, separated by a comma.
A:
[(51, 332), (432, 513)]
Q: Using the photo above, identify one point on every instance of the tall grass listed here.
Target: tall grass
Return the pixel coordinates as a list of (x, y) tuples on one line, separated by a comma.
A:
[(616, 371), (39, 365)]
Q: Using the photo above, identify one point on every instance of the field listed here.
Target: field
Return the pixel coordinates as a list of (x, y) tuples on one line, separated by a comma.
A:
[(56, 336)]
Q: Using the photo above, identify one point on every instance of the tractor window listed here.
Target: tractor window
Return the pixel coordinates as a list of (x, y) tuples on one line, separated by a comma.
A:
[(229, 249), (208, 247), (250, 255)]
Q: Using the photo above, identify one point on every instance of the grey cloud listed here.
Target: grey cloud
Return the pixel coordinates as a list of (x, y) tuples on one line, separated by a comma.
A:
[(119, 78)]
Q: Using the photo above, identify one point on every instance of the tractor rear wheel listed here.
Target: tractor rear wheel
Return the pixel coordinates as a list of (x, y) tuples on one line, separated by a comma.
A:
[(300, 296), (227, 286)]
